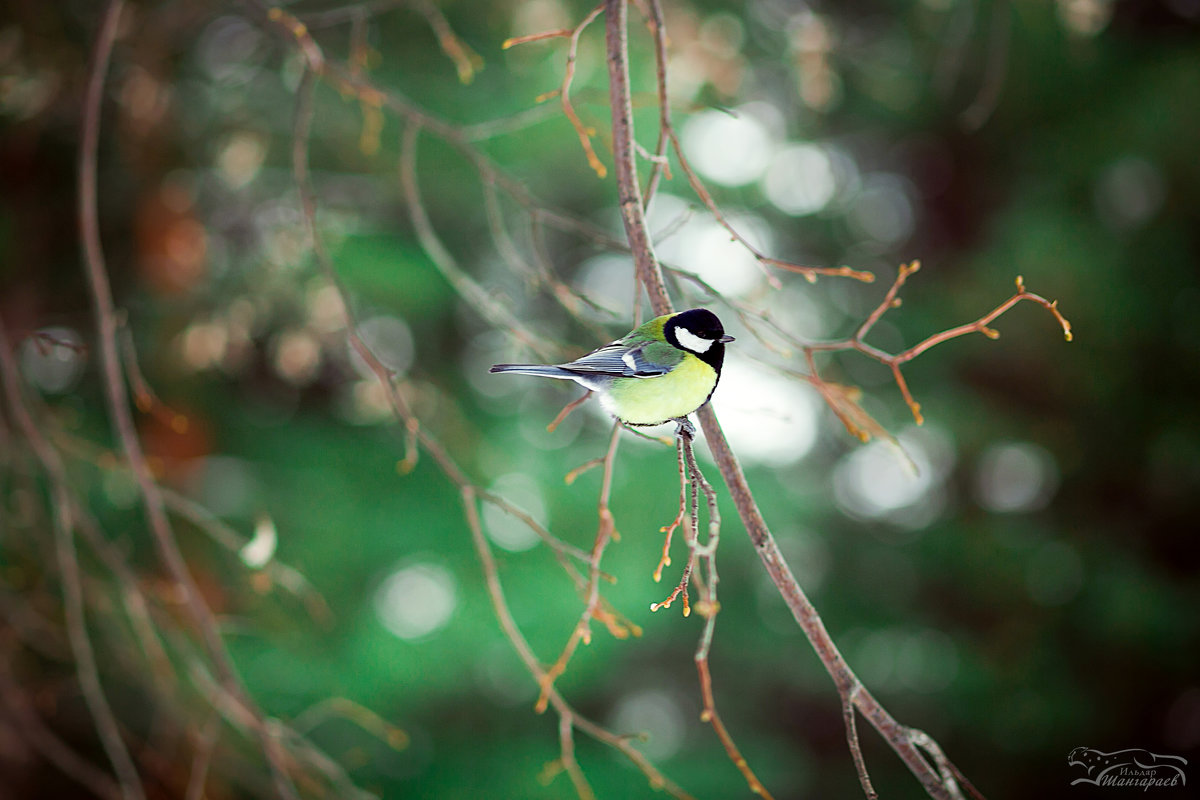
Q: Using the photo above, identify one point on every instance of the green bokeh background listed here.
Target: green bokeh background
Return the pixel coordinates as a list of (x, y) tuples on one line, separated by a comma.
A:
[(1111, 666)]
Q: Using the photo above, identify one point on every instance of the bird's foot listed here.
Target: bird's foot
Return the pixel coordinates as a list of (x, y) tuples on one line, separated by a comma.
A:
[(685, 428)]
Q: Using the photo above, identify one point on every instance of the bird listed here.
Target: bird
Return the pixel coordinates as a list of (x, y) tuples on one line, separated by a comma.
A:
[(659, 372)]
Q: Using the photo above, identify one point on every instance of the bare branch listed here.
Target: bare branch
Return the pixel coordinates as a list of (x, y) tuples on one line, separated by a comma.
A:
[(513, 633), (629, 193), (605, 533), (118, 401), (893, 362), (651, 276), (64, 527)]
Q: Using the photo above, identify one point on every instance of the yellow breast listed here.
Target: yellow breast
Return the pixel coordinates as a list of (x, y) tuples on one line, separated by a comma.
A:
[(652, 401)]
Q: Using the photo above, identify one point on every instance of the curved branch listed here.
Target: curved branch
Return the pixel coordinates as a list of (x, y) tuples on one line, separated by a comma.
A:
[(118, 402), (650, 274)]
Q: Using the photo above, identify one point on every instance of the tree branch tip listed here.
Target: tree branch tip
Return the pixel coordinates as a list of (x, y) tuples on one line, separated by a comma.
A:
[(513, 41), (990, 333), (550, 771), (397, 739)]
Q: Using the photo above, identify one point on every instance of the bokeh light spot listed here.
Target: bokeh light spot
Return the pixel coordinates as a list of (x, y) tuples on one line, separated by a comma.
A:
[(53, 359), (1129, 192), (506, 530), (607, 281), (882, 211), (877, 481), (768, 418), (389, 339), (224, 485), (240, 158), (1017, 476), (296, 356), (656, 713), (729, 149), (697, 242), (800, 179), (417, 600)]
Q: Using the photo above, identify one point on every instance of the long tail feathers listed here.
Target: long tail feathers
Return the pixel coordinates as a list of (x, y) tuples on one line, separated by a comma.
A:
[(541, 370)]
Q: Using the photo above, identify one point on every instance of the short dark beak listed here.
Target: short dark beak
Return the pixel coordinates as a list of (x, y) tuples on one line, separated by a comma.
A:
[(726, 339)]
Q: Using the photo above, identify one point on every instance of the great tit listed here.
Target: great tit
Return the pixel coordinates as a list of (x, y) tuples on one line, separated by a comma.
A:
[(661, 371)]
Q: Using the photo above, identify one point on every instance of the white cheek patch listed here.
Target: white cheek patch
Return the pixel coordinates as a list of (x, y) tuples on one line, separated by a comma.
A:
[(690, 341)]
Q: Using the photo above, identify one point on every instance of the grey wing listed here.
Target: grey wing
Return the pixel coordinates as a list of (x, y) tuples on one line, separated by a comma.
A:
[(617, 360)]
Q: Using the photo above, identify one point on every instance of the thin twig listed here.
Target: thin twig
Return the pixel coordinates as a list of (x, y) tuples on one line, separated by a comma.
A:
[(708, 607), (572, 35), (894, 361), (470, 493), (117, 398), (513, 633), (84, 656), (765, 545), (564, 93), (566, 744), (668, 530), (629, 193), (466, 60), (202, 758), (466, 286), (605, 532), (660, 163), (860, 764)]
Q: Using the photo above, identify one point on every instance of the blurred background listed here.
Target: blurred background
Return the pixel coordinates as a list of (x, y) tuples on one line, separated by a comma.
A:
[(1030, 589)]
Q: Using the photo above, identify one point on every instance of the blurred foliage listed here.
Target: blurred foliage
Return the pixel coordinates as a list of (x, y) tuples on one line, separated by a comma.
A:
[(1051, 140)]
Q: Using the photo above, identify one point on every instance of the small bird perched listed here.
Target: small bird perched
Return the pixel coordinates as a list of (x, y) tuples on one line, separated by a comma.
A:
[(661, 371)]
